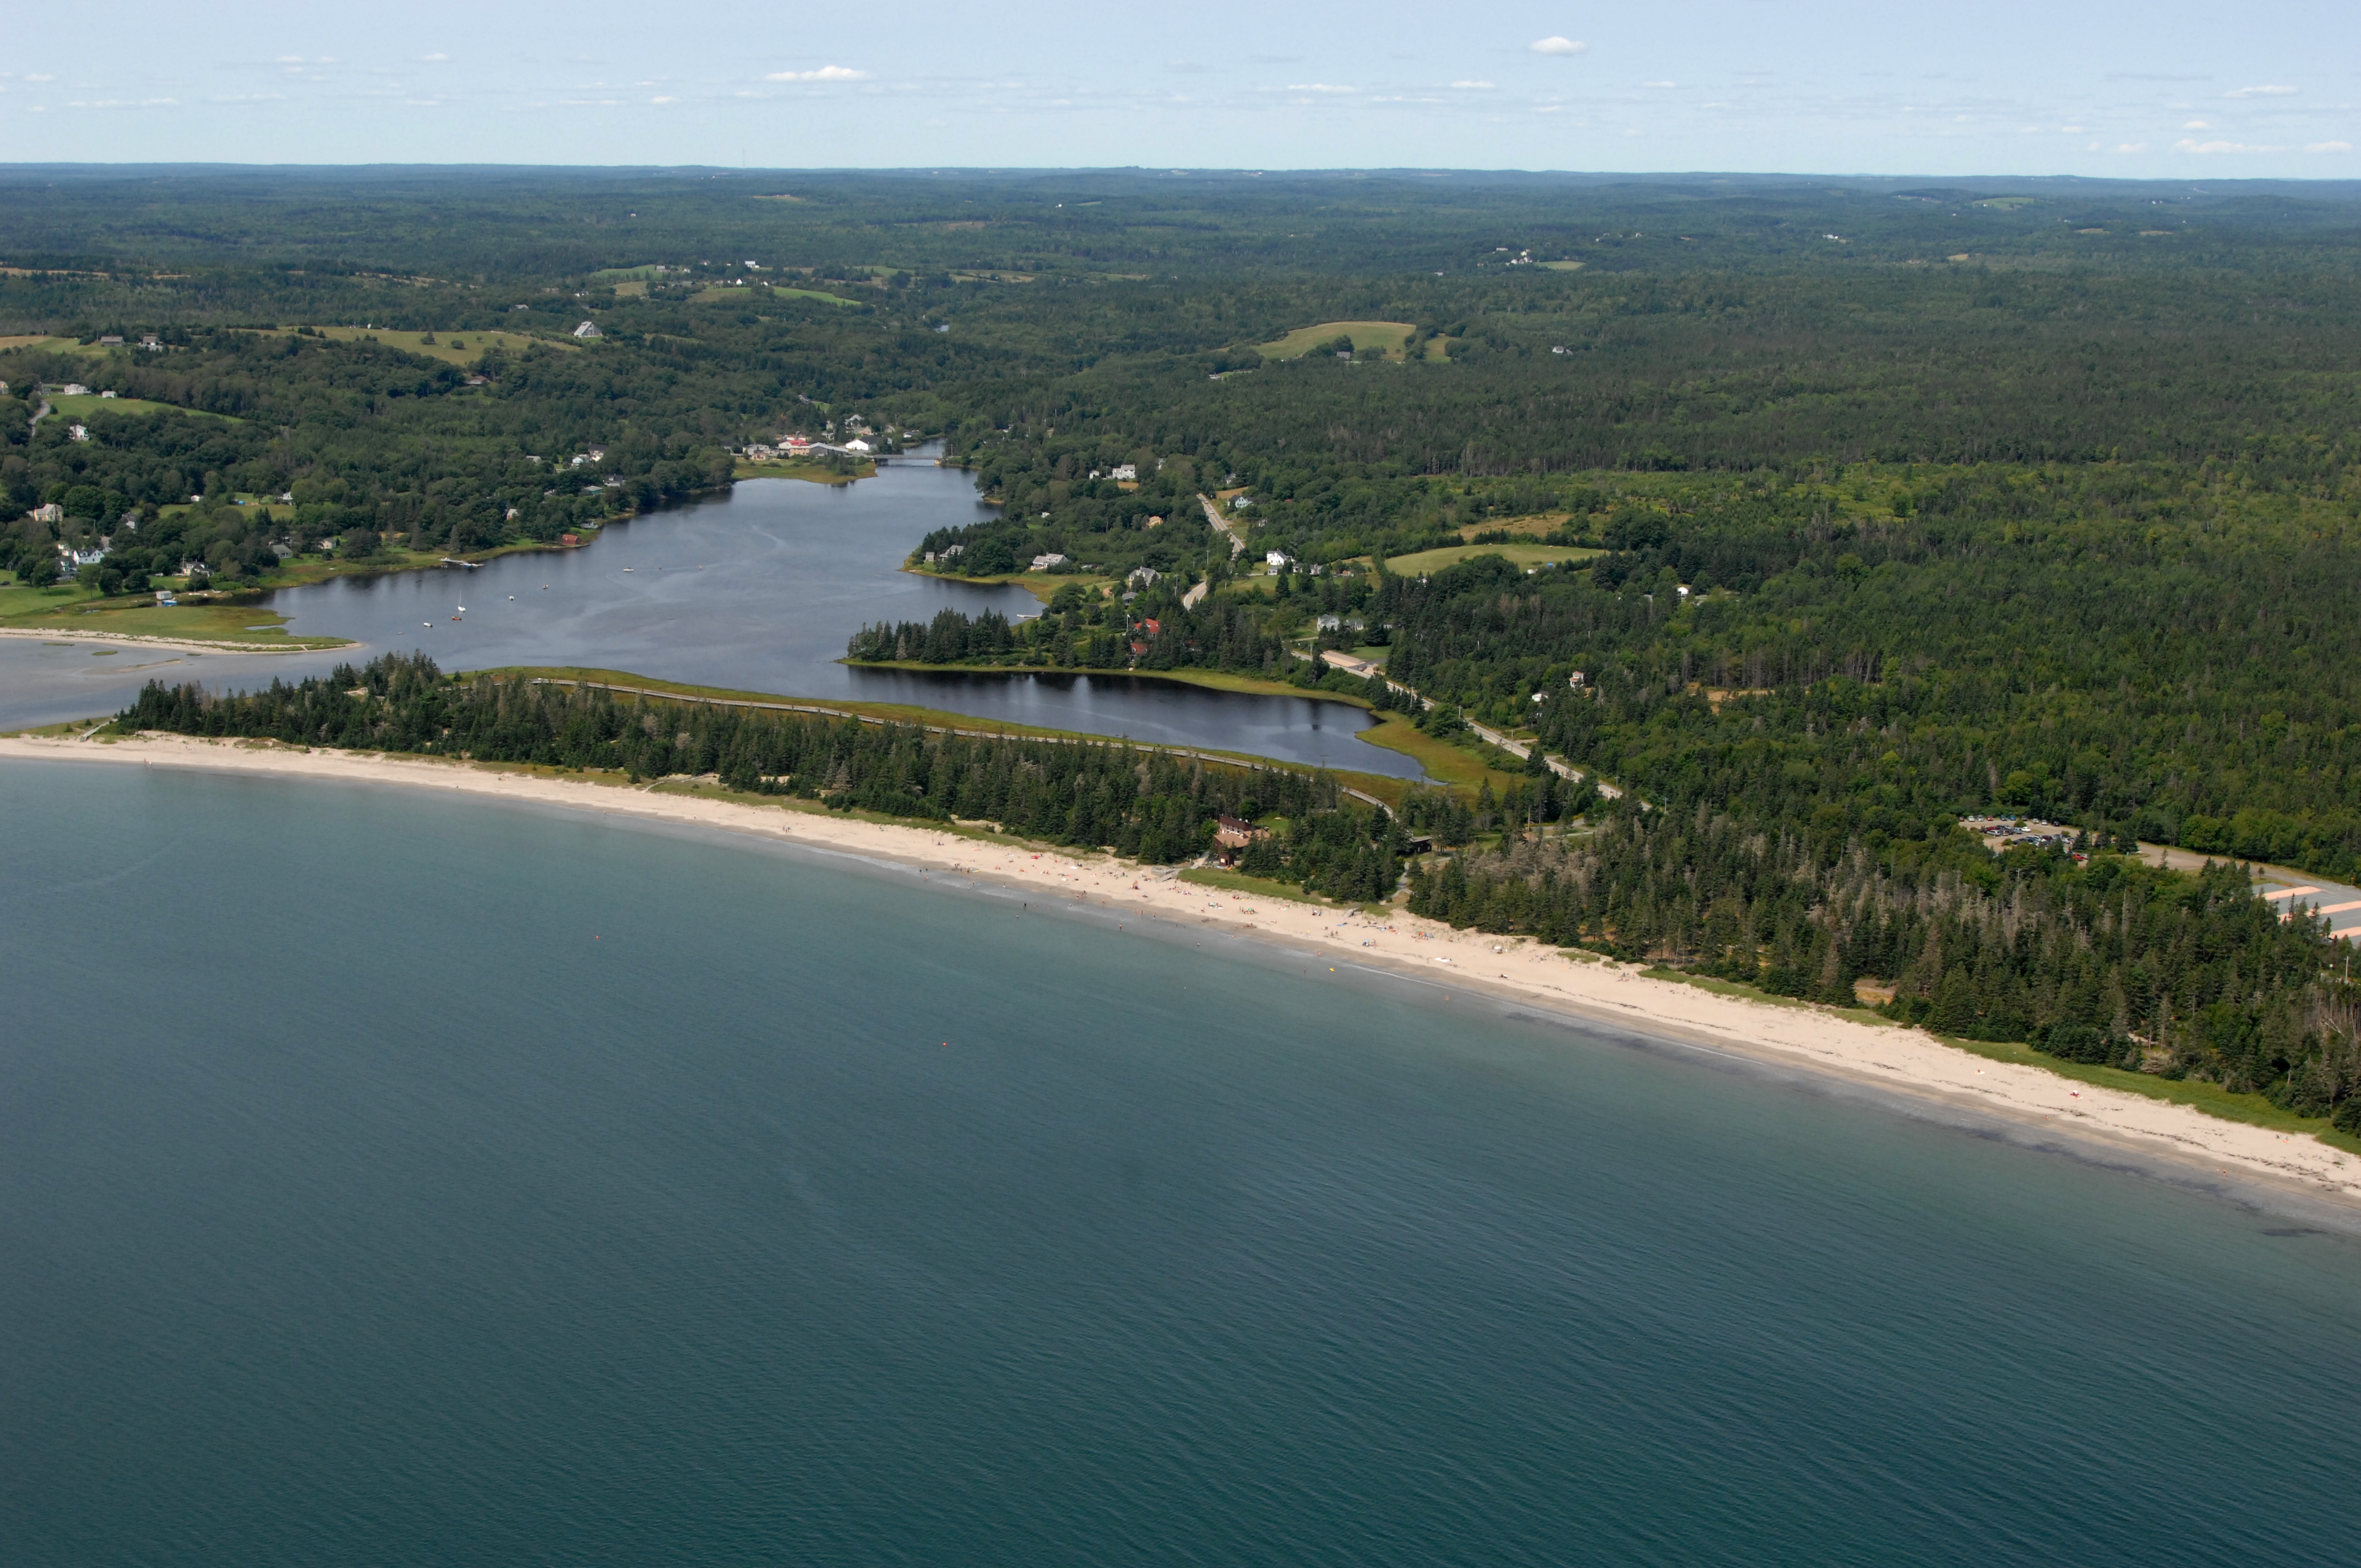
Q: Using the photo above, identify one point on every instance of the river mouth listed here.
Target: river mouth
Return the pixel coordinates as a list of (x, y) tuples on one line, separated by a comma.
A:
[(757, 591)]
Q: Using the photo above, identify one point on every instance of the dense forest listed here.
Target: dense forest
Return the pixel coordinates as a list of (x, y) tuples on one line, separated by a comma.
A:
[(1897, 502), (1146, 804)]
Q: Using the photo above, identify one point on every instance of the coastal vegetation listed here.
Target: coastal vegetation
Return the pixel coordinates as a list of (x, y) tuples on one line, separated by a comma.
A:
[(1146, 803), (2037, 499)]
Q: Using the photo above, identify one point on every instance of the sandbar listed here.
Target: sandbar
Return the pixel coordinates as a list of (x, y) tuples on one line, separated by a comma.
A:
[(178, 645)]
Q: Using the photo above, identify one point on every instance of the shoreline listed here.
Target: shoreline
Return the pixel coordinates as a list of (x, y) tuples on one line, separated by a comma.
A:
[(179, 644), (1904, 1064)]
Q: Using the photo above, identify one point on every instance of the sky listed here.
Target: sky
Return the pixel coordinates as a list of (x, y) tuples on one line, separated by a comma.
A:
[(2265, 88)]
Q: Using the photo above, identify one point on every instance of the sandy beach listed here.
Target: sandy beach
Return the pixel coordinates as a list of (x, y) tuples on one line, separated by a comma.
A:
[(2205, 1148), (177, 644)]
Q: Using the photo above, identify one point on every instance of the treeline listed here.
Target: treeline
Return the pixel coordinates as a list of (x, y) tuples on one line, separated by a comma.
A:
[(374, 445), (2113, 962), (1088, 629), (1146, 804)]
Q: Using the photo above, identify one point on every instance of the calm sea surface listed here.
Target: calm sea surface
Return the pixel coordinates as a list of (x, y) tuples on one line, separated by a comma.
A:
[(757, 590), (393, 1180)]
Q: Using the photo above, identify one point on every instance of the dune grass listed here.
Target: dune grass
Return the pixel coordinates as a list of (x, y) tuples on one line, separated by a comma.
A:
[(71, 608)]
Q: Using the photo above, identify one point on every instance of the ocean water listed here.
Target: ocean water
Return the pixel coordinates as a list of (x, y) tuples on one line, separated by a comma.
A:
[(386, 1178)]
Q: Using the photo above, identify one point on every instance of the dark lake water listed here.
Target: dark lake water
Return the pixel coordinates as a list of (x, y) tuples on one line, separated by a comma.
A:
[(757, 590), (392, 1179)]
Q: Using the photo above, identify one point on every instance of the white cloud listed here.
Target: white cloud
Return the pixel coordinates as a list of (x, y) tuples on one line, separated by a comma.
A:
[(2072, 130), (1556, 46), (2133, 146), (436, 59), (2265, 92), (2328, 147), (39, 77), (825, 74), (1474, 86), (2186, 145), (664, 100), (2195, 125), (1660, 84), (1318, 87)]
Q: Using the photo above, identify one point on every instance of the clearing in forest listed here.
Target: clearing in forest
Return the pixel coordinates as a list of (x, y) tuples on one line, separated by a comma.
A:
[(1369, 337)]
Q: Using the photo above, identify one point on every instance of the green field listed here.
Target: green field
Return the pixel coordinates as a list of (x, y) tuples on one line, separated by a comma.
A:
[(83, 407), (723, 293), (1369, 337), (462, 348), (1428, 561), (75, 609)]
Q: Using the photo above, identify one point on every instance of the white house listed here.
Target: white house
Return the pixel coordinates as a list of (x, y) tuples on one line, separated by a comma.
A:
[(1125, 471), (74, 389), (49, 513), (1275, 559), (1144, 575), (857, 444), (588, 329), (79, 432), (1043, 563)]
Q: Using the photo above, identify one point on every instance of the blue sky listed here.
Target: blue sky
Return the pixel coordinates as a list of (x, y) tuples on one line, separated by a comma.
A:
[(2268, 87)]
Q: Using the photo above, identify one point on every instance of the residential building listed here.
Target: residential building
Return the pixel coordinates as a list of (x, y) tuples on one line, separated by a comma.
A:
[(589, 330), (1045, 563)]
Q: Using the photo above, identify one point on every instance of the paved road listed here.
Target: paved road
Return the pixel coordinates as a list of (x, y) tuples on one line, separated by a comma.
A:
[(1517, 748)]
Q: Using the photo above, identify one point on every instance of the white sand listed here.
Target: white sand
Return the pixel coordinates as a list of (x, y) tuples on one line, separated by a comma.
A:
[(177, 644), (1888, 1056)]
